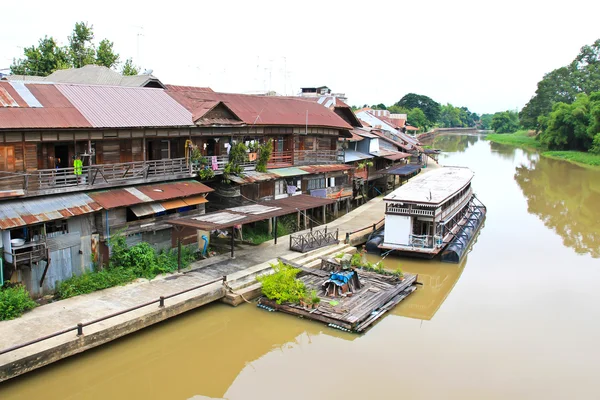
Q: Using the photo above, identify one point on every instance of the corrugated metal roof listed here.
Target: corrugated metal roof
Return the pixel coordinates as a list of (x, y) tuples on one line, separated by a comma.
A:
[(56, 111), (119, 107), (319, 169), (17, 213), (91, 75), (262, 110), (289, 171), (25, 94), (6, 100), (253, 176), (141, 210), (124, 197), (353, 155)]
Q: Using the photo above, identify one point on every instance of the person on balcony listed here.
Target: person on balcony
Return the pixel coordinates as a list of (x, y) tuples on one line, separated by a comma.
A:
[(77, 167)]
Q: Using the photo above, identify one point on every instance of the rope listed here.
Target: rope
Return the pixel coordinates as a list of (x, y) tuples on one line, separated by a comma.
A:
[(227, 287)]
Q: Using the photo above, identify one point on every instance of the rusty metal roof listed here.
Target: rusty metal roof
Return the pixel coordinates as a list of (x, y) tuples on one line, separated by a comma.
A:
[(287, 171), (244, 215), (129, 196), (262, 110), (392, 155), (119, 107), (56, 110), (253, 176), (319, 169), (16, 213)]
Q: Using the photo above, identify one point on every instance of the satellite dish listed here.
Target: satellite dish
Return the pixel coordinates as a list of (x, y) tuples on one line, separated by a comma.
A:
[(148, 72)]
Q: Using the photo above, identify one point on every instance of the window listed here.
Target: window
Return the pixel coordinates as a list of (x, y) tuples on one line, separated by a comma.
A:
[(341, 180), (316, 183), (55, 228), (280, 187)]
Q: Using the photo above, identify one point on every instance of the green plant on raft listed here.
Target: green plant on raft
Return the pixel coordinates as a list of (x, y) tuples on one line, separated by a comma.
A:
[(398, 273), (283, 286), (314, 299), (264, 154), (14, 301)]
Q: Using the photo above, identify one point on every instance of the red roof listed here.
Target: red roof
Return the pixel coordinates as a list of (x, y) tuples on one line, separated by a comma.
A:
[(261, 110), (319, 169), (56, 111), (129, 196)]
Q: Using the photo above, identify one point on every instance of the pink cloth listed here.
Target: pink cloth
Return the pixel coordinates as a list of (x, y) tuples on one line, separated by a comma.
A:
[(215, 166)]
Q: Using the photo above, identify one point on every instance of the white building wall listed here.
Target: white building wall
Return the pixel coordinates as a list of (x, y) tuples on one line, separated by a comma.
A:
[(397, 229)]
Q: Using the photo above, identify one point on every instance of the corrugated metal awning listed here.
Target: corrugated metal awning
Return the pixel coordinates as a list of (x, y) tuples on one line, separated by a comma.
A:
[(141, 210), (195, 200), (171, 204), (16, 213), (289, 171), (353, 155)]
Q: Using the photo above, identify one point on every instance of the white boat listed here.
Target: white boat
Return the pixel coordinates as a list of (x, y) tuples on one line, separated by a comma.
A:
[(432, 212)]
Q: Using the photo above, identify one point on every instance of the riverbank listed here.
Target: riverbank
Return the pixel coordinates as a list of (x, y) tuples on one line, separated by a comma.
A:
[(524, 139)]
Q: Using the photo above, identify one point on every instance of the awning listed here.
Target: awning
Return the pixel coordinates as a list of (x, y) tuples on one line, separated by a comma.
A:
[(353, 155), (403, 170), (393, 155), (16, 213), (287, 172), (141, 210), (194, 200), (129, 196), (247, 214)]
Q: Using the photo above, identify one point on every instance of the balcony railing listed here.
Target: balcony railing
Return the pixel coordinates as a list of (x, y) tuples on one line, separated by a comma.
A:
[(408, 210), (280, 159), (27, 254), (101, 175), (426, 241), (306, 157)]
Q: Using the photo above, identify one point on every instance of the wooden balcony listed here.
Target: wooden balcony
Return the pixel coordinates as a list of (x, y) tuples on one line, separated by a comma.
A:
[(64, 180), (280, 159), (27, 254), (307, 157)]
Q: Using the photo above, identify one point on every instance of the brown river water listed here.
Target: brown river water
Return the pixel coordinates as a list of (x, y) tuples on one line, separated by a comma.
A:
[(518, 318)]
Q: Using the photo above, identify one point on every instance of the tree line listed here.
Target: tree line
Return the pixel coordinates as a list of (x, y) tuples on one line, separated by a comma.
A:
[(48, 56), (425, 113)]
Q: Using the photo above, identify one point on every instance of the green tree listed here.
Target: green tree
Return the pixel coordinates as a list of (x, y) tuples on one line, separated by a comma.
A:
[(572, 126), (450, 116), (42, 60), (505, 122), (48, 56), (106, 56), (129, 69), (416, 117), (430, 108), (394, 109), (563, 84), (486, 121), (81, 48)]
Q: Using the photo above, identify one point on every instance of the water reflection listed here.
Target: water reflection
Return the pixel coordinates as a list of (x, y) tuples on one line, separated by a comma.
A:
[(567, 199), (453, 143)]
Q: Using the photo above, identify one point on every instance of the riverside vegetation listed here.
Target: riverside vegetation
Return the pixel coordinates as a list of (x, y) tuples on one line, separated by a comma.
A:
[(14, 301), (125, 265)]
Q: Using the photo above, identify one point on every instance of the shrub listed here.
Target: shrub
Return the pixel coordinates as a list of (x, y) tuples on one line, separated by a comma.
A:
[(14, 301), (282, 286)]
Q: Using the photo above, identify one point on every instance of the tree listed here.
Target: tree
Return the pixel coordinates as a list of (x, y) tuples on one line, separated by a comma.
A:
[(42, 60), (505, 122), (81, 49), (573, 126), (398, 110), (486, 121), (106, 56), (416, 117), (563, 84), (48, 56), (430, 108), (450, 116), (129, 69)]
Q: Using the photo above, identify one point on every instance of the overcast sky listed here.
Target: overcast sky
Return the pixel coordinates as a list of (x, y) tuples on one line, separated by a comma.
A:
[(486, 55)]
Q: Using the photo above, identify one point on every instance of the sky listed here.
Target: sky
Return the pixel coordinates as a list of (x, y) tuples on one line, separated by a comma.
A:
[(485, 55)]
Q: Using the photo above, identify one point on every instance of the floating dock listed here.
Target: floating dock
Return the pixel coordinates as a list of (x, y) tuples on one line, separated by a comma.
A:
[(378, 293)]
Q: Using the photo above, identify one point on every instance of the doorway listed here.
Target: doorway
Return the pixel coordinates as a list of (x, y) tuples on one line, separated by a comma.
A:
[(61, 156)]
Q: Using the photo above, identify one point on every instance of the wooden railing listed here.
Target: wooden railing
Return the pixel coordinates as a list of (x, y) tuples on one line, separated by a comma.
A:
[(27, 254), (305, 157), (313, 240), (281, 159), (46, 180)]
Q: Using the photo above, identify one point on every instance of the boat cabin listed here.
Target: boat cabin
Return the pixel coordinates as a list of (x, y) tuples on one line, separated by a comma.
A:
[(423, 215)]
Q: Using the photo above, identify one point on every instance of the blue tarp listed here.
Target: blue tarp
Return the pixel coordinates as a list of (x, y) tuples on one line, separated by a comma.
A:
[(343, 277), (404, 170)]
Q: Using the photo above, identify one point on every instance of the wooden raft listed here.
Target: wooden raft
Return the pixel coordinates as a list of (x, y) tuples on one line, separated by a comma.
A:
[(378, 294)]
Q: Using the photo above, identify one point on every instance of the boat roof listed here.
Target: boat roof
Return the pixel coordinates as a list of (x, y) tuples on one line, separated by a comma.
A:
[(432, 187)]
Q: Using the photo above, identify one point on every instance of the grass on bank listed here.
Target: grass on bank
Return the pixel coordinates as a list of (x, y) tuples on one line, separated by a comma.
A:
[(576, 157), (520, 138)]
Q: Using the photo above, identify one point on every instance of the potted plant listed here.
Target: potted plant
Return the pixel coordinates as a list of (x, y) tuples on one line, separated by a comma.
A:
[(315, 300)]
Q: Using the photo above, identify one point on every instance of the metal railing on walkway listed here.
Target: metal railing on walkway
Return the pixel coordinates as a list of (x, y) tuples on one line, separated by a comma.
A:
[(79, 327), (313, 240)]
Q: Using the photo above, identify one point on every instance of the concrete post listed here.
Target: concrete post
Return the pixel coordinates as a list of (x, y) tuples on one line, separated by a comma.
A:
[(324, 214), (335, 209), (270, 227), (305, 219)]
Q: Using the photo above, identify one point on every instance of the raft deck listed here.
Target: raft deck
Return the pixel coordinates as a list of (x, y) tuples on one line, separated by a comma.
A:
[(378, 294)]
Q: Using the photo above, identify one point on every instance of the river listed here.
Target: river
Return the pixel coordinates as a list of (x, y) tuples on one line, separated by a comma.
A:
[(519, 318)]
